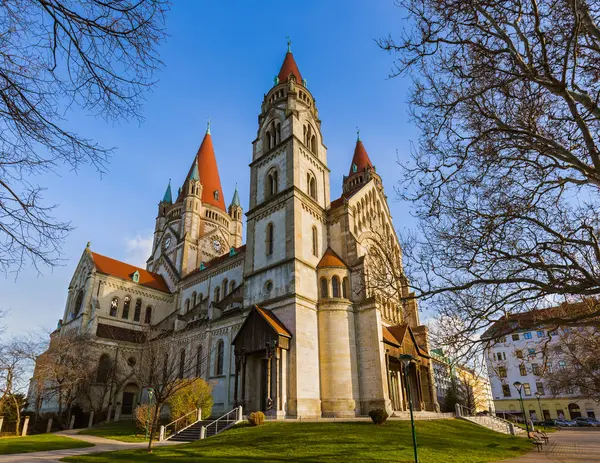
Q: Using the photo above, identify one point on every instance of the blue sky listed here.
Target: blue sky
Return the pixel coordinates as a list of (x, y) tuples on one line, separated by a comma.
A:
[(220, 59)]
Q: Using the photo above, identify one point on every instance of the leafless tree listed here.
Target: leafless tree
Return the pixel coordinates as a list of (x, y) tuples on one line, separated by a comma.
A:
[(505, 176), (98, 55)]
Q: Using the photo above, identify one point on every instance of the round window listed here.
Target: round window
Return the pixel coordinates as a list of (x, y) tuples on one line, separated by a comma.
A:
[(269, 286), (131, 361)]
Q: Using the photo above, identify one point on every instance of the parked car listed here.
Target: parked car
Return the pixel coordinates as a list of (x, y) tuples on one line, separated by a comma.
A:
[(565, 423), (586, 421), (549, 423)]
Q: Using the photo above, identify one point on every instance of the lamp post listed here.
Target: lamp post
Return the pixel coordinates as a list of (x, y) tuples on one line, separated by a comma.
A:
[(519, 387), (538, 395), (150, 392), (406, 359)]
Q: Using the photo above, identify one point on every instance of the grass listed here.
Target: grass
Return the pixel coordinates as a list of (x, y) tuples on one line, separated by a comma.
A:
[(450, 441), (39, 443), (124, 431)]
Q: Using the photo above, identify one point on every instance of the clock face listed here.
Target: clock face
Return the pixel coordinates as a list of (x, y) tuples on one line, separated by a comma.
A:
[(167, 242), (217, 245)]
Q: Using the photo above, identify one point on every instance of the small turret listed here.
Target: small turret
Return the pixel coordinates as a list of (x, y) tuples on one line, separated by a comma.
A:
[(235, 212), (362, 169)]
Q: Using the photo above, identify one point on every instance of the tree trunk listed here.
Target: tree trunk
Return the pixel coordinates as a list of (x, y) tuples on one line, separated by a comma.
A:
[(153, 425)]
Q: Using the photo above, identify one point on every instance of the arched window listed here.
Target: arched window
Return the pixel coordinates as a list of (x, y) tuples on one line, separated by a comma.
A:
[(220, 357), (126, 304), (148, 317), (231, 286), (78, 303), (137, 313), (269, 237), (199, 361), (324, 289), (315, 241), (313, 144), (187, 305), (277, 133), (311, 186), (181, 363), (104, 369), (200, 297), (217, 294), (335, 286), (114, 306), (225, 281), (268, 139), (272, 183), (345, 288), (194, 299)]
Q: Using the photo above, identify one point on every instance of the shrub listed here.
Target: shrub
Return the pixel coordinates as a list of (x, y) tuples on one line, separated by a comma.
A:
[(141, 415), (197, 394), (256, 418), (378, 415)]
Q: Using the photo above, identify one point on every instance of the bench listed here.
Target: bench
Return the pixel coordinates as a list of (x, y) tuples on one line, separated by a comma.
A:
[(538, 443)]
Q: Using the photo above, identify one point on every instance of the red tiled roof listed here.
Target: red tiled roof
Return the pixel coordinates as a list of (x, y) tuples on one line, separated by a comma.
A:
[(289, 67), (218, 260), (360, 158), (331, 259), (273, 321), (119, 269)]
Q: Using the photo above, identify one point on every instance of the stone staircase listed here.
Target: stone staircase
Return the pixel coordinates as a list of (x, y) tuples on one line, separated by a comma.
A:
[(207, 428), (495, 424)]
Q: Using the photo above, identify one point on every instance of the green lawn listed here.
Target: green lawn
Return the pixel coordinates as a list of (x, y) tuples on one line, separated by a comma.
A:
[(448, 441), (125, 431), (38, 443)]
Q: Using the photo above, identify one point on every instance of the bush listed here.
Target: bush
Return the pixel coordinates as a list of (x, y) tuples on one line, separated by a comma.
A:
[(378, 415), (141, 415), (256, 418), (195, 395)]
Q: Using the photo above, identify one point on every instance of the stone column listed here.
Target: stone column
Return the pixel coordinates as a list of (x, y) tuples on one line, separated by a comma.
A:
[(236, 379), (49, 425), (25, 426), (91, 420), (1, 421), (72, 422), (243, 379)]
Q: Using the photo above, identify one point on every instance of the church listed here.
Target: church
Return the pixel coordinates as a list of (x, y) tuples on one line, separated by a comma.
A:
[(289, 322)]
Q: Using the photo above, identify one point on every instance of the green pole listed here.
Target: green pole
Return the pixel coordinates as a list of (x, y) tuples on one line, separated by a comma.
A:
[(412, 419), (537, 394), (523, 411), (148, 418)]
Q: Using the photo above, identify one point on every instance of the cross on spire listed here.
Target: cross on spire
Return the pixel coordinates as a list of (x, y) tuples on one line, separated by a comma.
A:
[(357, 134), (208, 126), (289, 44)]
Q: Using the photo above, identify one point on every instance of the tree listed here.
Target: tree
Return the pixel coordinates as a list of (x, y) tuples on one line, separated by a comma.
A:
[(451, 398), (56, 54), (506, 174), (191, 396)]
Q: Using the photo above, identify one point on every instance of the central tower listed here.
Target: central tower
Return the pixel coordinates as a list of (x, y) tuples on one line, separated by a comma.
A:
[(287, 230)]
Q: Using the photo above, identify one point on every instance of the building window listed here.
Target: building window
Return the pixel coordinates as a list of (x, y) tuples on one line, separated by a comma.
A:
[(114, 306), (126, 304), (345, 288), (311, 185), (536, 369), (335, 286), (199, 361), (540, 334), (527, 335), (506, 390), (519, 354), (270, 236), (515, 337), (104, 369), (137, 313), (324, 289), (501, 355), (220, 357), (231, 286), (502, 339), (217, 294), (225, 281), (148, 317), (181, 363), (522, 370), (502, 372), (187, 305), (562, 364), (531, 352), (527, 389), (272, 183), (540, 388), (194, 299), (78, 303), (315, 242)]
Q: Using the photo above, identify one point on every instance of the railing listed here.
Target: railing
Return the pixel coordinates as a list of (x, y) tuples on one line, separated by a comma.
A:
[(232, 417), (461, 410), (180, 424)]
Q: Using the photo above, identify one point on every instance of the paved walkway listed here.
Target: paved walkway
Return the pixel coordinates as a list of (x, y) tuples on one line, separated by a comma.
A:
[(53, 456), (566, 447)]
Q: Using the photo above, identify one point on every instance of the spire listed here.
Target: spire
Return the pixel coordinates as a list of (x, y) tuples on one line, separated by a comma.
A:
[(360, 160), (194, 175), (206, 169), (208, 127), (289, 66), (236, 198), (168, 198)]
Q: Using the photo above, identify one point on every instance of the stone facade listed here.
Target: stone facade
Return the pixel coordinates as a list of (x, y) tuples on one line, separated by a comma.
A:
[(289, 323)]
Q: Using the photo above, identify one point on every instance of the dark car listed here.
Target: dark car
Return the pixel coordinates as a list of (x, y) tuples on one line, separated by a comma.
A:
[(586, 421)]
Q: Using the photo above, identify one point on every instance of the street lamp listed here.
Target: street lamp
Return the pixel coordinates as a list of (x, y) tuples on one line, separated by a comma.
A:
[(406, 359), (538, 395), (519, 386), (150, 392)]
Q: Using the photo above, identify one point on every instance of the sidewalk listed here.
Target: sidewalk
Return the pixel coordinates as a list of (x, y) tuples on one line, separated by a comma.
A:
[(566, 447), (53, 456)]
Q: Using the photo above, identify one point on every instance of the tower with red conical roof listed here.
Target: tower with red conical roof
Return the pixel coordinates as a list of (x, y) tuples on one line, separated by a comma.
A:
[(361, 170)]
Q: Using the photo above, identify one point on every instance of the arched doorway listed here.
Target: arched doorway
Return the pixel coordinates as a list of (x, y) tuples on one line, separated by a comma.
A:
[(129, 395), (574, 411)]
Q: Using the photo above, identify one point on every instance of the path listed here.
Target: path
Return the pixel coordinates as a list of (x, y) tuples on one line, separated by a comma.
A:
[(53, 456), (566, 447)]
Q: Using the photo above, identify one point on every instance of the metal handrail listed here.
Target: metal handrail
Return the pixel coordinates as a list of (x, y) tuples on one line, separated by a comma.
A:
[(227, 418), (181, 423)]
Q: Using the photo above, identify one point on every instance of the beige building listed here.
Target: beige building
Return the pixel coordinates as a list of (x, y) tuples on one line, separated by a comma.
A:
[(288, 323)]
